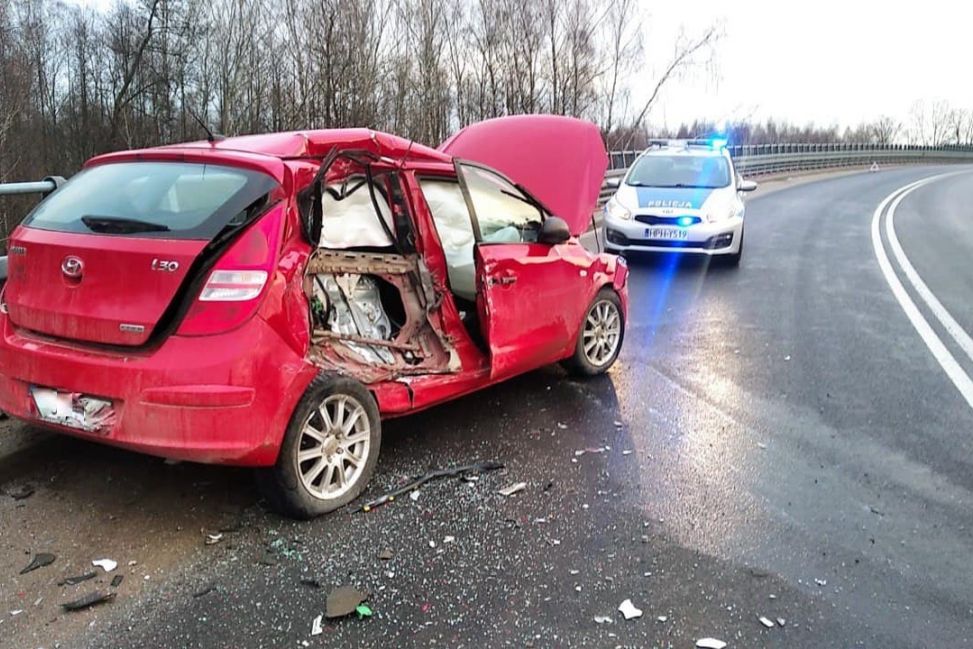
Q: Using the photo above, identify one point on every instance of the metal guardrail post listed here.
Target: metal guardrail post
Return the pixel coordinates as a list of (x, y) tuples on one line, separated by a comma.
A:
[(46, 186)]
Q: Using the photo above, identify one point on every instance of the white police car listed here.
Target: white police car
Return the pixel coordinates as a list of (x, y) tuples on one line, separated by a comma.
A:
[(679, 196)]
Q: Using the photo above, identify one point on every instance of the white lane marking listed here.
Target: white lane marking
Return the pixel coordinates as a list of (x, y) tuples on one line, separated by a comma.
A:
[(942, 355), (942, 314)]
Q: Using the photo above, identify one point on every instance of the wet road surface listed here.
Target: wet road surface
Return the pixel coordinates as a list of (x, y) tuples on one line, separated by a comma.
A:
[(776, 440)]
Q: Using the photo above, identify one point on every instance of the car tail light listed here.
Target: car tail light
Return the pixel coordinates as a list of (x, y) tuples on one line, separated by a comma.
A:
[(237, 282), (233, 285)]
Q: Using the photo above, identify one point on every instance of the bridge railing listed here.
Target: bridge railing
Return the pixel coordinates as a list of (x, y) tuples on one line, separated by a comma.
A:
[(766, 159)]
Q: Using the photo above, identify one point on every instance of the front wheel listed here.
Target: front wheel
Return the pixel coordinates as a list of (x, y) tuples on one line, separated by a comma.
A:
[(329, 451), (600, 339)]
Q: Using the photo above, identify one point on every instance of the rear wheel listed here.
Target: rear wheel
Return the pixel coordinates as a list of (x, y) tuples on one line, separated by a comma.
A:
[(329, 451), (600, 339)]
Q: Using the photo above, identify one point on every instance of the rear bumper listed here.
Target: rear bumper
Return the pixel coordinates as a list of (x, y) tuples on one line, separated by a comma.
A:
[(218, 399), (704, 238)]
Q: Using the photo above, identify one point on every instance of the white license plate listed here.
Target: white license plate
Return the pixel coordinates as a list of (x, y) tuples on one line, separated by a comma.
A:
[(666, 233), (72, 409)]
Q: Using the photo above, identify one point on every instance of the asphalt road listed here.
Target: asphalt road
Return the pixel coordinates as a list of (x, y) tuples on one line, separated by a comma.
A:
[(776, 440)]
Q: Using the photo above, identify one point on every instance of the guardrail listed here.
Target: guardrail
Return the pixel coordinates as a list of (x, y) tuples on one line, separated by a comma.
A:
[(763, 159), (45, 187)]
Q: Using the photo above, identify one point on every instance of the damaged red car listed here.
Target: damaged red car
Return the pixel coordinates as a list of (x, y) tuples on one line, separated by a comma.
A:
[(267, 300)]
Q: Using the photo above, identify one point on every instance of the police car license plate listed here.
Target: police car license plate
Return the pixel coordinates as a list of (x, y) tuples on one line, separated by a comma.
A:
[(666, 233)]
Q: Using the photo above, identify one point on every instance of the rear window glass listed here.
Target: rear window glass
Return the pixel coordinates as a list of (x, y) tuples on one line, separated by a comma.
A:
[(680, 171), (169, 200)]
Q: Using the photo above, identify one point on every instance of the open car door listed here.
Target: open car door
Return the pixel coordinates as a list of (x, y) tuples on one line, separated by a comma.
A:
[(527, 292)]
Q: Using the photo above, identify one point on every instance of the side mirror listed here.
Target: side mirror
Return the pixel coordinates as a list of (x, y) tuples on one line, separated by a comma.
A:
[(746, 185), (613, 182), (554, 230)]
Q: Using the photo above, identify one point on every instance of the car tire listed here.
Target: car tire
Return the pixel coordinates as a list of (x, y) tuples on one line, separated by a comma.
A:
[(315, 473), (605, 309)]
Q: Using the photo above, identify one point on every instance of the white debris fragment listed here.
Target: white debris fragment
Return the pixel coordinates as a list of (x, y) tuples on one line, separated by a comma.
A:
[(432, 544), (596, 449), (449, 539), (316, 625), (577, 588), (618, 424), (573, 572), (627, 452), (781, 621), (821, 582), (16, 613), (628, 610), (106, 564), (787, 358), (761, 445), (133, 562), (562, 426), (766, 622), (603, 619), (37, 602), (710, 643), (662, 618), (415, 495), (213, 539), (771, 596), (512, 489)]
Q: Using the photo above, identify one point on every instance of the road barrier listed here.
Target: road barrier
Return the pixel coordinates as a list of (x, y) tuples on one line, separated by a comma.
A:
[(766, 159)]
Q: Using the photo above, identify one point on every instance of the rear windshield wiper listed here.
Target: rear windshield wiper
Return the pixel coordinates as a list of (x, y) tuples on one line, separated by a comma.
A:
[(121, 225)]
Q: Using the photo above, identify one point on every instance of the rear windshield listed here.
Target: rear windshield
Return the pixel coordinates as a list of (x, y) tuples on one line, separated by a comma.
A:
[(707, 172), (168, 200)]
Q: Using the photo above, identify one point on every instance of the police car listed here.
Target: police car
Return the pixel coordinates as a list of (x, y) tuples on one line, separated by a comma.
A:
[(679, 196)]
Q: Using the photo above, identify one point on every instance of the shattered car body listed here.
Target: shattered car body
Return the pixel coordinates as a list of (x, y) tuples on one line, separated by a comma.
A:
[(285, 292)]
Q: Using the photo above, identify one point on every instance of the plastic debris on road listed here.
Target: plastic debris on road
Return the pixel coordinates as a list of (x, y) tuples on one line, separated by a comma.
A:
[(89, 600), (479, 467), (781, 621), (213, 539), (117, 581), (592, 450), (105, 564), (316, 625), (603, 619), (363, 611), (710, 643), (386, 554), (71, 581), (821, 582), (24, 492), (766, 622), (449, 539), (662, 618), (414, 496), (40, 560), (343, 601), (512, 489), (628, 610)]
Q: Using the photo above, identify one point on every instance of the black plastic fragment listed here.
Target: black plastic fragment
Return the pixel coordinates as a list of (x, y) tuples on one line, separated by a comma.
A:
[(91, 599), (479, 467), (117, 581), (26, 491), (39, 561), (71, 581), (311, 583)]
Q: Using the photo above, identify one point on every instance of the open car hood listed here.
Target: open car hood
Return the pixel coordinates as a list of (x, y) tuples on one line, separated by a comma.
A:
[(561, 161)]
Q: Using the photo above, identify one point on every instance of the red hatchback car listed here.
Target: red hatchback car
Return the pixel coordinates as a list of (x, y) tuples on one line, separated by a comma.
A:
[(267, 300)]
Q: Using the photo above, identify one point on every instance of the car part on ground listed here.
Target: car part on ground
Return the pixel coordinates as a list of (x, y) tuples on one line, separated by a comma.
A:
[(413, 485)]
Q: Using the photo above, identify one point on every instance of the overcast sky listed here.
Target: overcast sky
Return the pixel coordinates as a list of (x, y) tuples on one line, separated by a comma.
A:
[(825, 61)]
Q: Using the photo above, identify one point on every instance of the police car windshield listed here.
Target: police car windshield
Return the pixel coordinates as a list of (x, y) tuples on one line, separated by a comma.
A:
[(705, 172)]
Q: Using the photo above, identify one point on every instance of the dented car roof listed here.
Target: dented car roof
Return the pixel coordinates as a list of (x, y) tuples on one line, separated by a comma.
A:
[(561, 161)]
